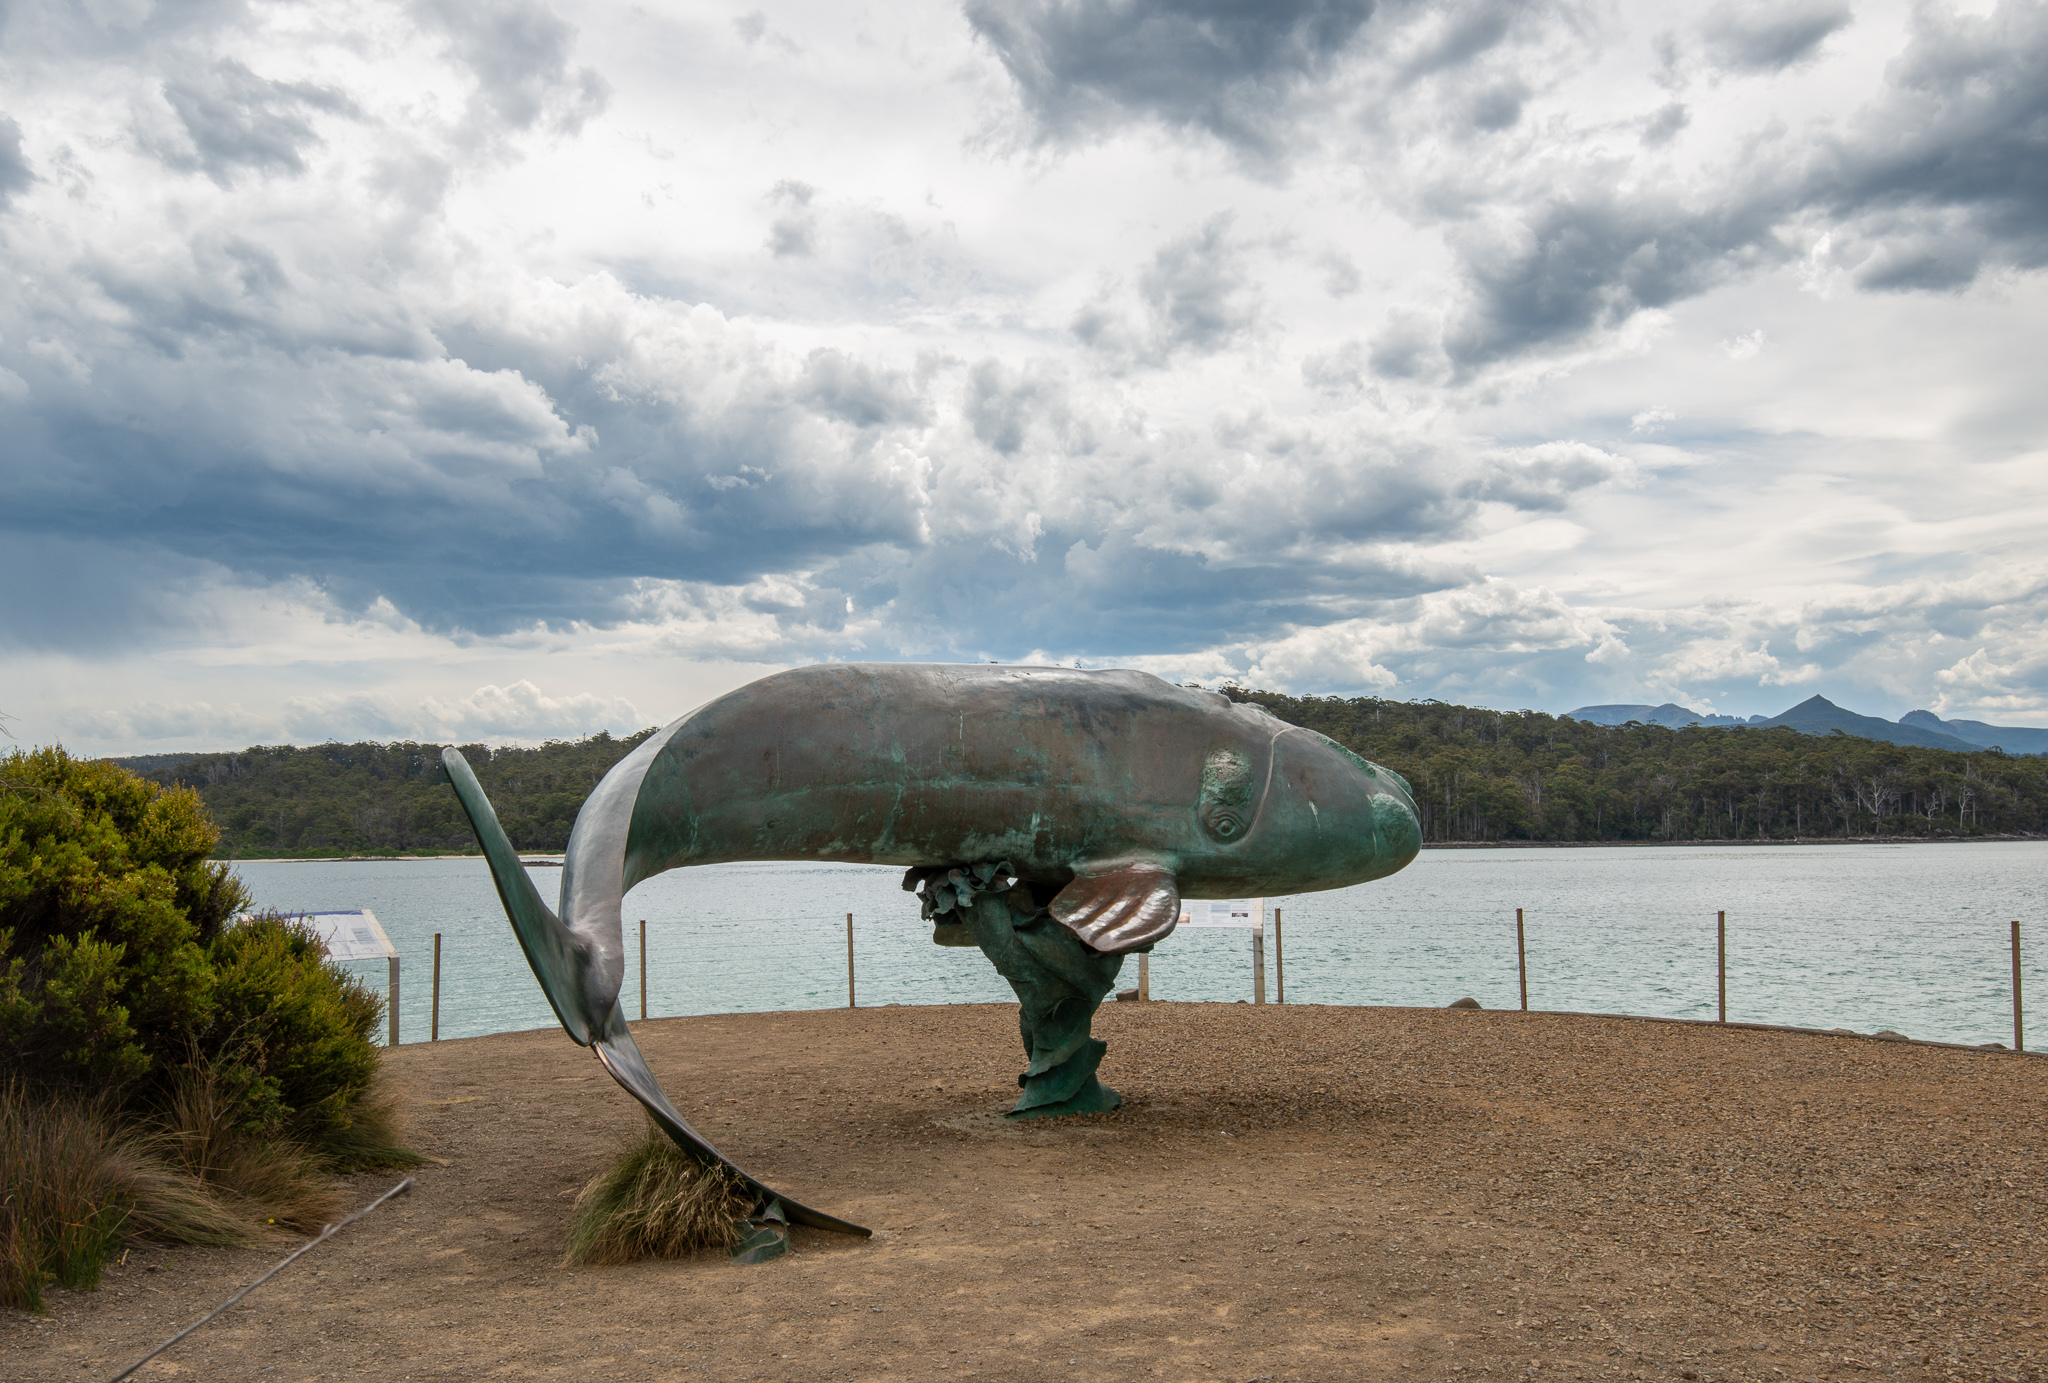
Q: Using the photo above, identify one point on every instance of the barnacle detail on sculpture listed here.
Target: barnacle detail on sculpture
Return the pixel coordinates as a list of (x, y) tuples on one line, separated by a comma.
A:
[(1051, 817)]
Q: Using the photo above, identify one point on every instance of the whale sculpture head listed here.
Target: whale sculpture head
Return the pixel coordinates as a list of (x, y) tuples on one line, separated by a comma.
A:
[(1311, 816)]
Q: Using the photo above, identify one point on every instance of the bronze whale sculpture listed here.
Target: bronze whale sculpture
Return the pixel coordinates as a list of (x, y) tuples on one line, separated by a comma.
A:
[(1055, 816)]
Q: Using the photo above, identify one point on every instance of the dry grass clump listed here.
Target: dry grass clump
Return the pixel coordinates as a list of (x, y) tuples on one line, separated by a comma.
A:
[(657, 1201), (374, 1133), (74, 1187), (271, 1180), (77, 1181)]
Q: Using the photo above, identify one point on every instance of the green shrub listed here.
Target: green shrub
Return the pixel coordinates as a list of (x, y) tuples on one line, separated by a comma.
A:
[(290, 1037), (107, 902), (166, 1066)]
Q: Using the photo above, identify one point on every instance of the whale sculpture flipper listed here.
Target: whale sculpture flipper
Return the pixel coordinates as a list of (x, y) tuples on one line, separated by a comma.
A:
[(561, 962), (1120, 906)]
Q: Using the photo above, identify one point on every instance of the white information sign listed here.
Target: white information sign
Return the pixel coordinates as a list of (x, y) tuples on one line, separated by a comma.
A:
[(351, 935), (1223, 912)]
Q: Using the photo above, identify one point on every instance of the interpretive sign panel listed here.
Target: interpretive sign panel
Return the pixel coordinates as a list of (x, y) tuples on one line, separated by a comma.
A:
[(1223, 912), (351, 935)]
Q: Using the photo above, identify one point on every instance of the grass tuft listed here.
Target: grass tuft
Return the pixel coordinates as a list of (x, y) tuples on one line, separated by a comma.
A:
[(73, 1189), (274, 1180), (372, 1137), (657, 1201)]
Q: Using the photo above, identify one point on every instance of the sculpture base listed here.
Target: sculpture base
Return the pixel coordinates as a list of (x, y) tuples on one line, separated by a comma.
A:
[(1059, 983), (1094, 1098)]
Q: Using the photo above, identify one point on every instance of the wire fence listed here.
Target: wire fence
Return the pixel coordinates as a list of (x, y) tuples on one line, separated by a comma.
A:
[(1640, 940)]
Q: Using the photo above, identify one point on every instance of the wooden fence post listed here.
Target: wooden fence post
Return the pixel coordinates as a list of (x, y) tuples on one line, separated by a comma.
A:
[(643, 969), (1144, 977), (1259, 962), (391, 995), (434, 1024), (1721, 930), (2019, 1031), (849, 960), (1279, 963), (1522, 959)]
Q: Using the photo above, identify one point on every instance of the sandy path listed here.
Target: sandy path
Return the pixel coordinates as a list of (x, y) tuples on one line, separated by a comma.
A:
[(1300, 1192)]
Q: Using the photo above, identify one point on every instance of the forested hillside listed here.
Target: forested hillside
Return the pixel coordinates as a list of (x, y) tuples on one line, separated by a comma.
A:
[(1482, 775), (1478, 775), (390, 799)]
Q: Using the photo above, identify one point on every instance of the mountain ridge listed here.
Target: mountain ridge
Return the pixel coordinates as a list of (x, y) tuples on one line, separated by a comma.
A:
[(1819, 716)]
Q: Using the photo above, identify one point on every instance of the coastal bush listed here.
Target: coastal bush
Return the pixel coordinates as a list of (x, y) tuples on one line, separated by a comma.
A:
[(656, 1201), (170, 1066), (107, 902), (289, 1041)]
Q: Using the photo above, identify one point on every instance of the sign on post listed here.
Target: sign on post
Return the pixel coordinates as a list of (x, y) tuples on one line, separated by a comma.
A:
[(358, 936), (1248, 913)]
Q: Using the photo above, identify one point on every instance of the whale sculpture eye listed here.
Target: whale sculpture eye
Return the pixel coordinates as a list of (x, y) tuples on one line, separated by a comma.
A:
[(1225, 810)]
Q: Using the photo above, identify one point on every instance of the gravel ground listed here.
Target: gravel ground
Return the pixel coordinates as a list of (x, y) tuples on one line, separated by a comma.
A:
[(1288, 1193)]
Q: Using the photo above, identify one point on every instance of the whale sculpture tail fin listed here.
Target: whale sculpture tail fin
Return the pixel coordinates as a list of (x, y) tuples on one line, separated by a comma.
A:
[(559, 959), (621, 1056)]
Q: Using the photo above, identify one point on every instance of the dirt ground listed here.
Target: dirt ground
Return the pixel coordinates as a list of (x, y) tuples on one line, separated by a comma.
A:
[(1288, 1193)]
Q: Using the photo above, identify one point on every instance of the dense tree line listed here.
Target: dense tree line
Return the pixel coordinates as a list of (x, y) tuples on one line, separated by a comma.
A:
[(389, 799), (1478, 775), (1482, 775)]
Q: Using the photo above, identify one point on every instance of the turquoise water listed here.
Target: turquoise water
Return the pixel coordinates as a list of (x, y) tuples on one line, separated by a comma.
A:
[(1911, 937)]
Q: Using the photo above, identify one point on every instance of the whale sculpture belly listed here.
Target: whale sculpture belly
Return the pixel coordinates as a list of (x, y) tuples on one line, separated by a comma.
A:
[(1105, 796)]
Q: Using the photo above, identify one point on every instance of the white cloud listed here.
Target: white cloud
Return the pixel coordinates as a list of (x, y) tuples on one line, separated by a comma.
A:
[(1745, 347), (396, 370)]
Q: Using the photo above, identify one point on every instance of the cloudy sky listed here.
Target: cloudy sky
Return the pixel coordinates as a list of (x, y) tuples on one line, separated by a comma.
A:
[(519, 368)]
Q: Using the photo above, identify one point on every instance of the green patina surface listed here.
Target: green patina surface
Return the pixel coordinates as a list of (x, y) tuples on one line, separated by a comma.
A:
[(1106, 797), (1059, 982)]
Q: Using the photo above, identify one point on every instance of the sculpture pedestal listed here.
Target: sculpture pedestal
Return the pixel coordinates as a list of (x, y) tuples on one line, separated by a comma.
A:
[(1059, 983)]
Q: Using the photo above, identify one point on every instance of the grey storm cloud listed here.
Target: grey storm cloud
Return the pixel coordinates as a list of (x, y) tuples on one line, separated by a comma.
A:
[(519, 51), (1008, 408), (794, 230), (1228, 67), (15, 173), (852, 391), (238, 121), (1941, 175), (1196, 296), (1771, 36), (869, 415)]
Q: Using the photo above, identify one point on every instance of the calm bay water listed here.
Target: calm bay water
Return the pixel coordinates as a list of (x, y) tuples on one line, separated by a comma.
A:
[(1909, 937)]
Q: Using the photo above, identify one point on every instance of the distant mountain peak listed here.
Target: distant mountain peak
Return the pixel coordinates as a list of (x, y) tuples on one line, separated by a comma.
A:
[(2013, 739), (1819, 716)]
